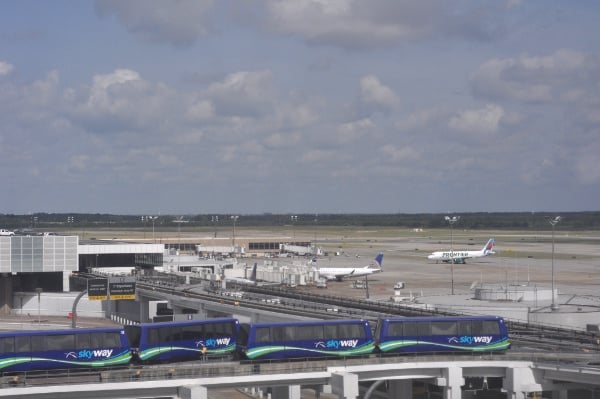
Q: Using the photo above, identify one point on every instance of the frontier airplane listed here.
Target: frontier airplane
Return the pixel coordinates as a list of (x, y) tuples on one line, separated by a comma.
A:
[(461, 256)]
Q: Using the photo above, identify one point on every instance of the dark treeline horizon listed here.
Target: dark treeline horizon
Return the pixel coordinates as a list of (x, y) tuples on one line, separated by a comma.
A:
[(587, 220)]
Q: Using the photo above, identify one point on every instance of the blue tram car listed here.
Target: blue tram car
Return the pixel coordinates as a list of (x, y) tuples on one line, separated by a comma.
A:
[(326, 338), (183, 340), (52, 349), (442, 334)]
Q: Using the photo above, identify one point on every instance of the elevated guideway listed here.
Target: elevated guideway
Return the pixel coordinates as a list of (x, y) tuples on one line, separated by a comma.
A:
[(341, 377)]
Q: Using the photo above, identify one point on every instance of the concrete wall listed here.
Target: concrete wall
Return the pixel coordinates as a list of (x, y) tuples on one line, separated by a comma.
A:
[(56, 304)]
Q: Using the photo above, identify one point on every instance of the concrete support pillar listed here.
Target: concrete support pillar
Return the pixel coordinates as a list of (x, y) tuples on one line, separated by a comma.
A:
[(560, 394), (400, 389), (345, 385), (289, 392), (66, 281), (144, 309), (193, 392), (521, 380), (451, 381), (6, 293)]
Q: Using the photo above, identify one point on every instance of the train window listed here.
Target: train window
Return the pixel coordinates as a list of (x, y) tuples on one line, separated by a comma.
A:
[(308, 333), (38, 344), (330, 331), (351, 331), (96, 340), (395, 329), (164, 334), (279, 334), (481, 327), (153, 338), (7, 345), (192, 332), (464, 328), (209, 330), (112, 339), (176, 333), (490, 327), (60, 342), (225, 328), (424, 328), (262, 334), (411, 328), (443, 328), (22, 344), (82, 341)]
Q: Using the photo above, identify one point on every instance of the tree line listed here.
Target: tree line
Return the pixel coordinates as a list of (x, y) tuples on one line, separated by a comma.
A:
[(589, 220)]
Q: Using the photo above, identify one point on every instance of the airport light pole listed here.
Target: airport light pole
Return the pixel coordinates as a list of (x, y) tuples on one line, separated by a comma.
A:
[(152, 219), (553, 222), (234, 218), (452, 220), (215, 220), (294, 219)]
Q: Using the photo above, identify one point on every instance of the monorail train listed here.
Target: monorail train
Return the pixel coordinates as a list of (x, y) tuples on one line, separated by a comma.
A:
[(50, 349), (340, 338), (185, 340), (442, 334), (226, 337)]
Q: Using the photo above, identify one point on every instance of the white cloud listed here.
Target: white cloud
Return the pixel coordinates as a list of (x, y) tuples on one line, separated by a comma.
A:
[(421, 119), (179, 22), (244, 93), (359, 24), (478, 121), (200, 110), (6, 68), (374, 93), (100, 95), (564, 75), (395, 154), (355, 130), (350, 23), (121, 101)]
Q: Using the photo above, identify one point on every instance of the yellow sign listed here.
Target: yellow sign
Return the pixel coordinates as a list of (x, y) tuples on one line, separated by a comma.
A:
[(117, 297)]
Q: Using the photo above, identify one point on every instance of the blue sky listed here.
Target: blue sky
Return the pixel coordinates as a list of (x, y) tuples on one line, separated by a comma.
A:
[(299, 106)]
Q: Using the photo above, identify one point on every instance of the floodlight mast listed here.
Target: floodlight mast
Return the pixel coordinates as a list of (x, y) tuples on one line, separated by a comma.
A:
[(553, 222), (451, 221), (152, 219), (234, 218)]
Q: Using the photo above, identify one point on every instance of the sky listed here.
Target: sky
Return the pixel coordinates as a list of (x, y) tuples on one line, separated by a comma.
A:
[(299, 106)]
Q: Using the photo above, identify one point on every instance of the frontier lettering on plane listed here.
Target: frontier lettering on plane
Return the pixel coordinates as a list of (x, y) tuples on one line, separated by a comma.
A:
[(461, 256)]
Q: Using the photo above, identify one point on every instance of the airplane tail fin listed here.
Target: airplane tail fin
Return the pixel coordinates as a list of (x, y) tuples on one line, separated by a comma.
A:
[(377, 263), (489, 247)]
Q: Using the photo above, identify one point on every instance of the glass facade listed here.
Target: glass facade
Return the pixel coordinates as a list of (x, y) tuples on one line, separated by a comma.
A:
[(38, 254)]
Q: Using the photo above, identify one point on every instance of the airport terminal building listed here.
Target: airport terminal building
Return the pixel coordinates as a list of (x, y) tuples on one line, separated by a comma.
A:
[(46, 263)]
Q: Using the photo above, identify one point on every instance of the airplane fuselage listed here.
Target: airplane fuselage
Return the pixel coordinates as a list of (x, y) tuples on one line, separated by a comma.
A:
[(339, 273), (461, 256)]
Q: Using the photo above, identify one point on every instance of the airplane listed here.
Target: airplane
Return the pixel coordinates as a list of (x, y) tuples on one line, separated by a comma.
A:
[(339, 273), (461, 256)]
